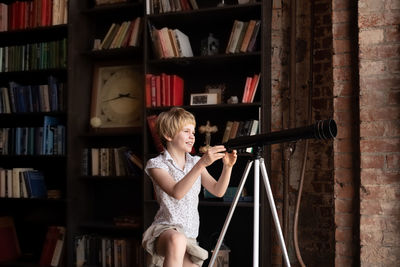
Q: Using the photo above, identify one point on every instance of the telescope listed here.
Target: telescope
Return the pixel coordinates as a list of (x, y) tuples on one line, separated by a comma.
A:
[(321, 130)]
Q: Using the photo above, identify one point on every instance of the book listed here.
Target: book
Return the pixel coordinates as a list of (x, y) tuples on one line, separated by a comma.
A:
[(184, 44), (227, 131), (177, 90), (247, 36), (35, 184), (252, 43), (59, 248), (151, 122), (9, 245), (49, 246)]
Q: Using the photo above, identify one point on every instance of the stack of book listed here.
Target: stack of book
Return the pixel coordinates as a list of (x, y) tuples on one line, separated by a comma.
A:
[(243, 36), (22, 183), (120, 161), (235, 129), (20, 15), (250, 88), (121, 35), (164, 6), (164, 90), (168, 43)]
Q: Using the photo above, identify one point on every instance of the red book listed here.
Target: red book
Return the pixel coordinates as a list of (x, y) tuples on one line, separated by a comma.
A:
[(158, 90), (168, 90), (177, 88), (9, 246), (253, 87), (151, 121), (163, 89), (49, 246), (148, 90)]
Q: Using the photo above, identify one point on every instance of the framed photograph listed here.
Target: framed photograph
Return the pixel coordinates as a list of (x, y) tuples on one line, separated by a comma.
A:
[(204, 99), (117, 96), (219, 89)]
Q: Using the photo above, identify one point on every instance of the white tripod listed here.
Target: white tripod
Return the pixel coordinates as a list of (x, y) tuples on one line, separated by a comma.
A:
[(258, 165)]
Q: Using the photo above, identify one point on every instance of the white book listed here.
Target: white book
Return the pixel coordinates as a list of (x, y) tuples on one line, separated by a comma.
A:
[(9, 179), (235, 36), (55, 260), (183, 43)]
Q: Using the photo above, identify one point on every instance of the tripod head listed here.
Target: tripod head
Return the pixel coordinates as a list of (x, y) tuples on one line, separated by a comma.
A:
[(321, 130)]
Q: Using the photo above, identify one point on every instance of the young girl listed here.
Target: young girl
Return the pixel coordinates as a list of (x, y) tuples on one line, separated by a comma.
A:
[(177, 177)]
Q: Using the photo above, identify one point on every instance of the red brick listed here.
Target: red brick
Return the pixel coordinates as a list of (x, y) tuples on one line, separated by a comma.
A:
[(368, 67), (342, 74), (392, 34), (340, 31), (343, 235), (383, 113), (344, 219), (341, 16), (393, 66), (392, 18), (392, 4), (370, 207), (340, 4), (344, 205), (372, 161), (379, 176), (367, 6), (368, 20), (393, 162), (368, 83), (341, 60), (342, 46), (344, 191), (344, 146), (380, 51), (380, 194), (343, 103), (380, 128), (374, 98), (380, 145)]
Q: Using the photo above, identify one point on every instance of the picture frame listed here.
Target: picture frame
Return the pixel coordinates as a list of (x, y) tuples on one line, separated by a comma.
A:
[(217, 88), (117, 96), (204, 99)]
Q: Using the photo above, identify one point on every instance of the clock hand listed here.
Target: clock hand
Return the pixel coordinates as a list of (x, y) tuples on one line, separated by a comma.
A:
[(128, 95)]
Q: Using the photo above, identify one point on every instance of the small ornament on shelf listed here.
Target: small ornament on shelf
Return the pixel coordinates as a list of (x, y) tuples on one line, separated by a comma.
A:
[(209, 46), (207, 130)]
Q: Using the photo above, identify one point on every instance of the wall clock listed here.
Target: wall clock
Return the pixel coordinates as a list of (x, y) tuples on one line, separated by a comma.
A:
[(117, 96)]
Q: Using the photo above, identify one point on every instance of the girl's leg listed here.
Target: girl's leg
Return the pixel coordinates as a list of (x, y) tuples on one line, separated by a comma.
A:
[(172, 245), (187, 262)]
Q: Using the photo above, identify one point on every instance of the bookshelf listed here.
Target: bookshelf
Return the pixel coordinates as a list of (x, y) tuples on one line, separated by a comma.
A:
[(33, 56), (226, 72), (105, 203)]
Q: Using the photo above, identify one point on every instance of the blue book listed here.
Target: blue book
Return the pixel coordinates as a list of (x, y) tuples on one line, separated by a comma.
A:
[(35, 184), (50, 123)]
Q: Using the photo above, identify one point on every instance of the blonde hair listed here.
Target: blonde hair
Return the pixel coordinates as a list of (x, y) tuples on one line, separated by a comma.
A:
[(169, 123)]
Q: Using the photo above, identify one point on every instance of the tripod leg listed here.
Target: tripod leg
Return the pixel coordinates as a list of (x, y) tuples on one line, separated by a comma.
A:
[(274, 212), (256, 212), (231, 211)]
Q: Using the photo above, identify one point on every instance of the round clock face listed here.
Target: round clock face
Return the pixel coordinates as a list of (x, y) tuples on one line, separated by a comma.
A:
[(120, 100)]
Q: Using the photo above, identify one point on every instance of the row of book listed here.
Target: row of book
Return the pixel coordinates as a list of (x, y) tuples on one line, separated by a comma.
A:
[(22, 183), (121, 35), (250, 88), (234, 129), (95, 250), (164, 90), (36, 56), (46, 140), (169, 43), (243, 36), (53, 248), (164, 6), (121, 161), (32, 98), (30, 14)]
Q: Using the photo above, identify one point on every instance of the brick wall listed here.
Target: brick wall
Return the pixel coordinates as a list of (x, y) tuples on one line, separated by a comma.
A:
[(346, 156), (379, 47)]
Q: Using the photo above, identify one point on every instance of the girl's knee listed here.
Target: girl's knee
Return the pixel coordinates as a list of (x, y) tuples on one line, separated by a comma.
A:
[(177, 240)]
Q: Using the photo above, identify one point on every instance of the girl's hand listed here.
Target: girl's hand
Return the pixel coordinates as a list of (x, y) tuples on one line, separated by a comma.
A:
[(214, 153), (230, 158)]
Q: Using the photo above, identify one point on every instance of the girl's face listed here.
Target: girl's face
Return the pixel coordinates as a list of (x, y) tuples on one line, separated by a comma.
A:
[(184, 139)]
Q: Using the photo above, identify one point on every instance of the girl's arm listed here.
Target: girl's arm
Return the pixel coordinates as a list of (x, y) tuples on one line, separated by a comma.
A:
[(179, 189), (218, 188)]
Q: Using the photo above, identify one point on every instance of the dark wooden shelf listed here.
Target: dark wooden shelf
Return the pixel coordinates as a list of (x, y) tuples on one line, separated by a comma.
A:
[(39, 34), (117, 53), (36, 201), (109, 226), (106, 9)]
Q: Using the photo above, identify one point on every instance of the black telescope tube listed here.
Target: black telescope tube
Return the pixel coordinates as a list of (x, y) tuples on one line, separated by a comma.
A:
[(322, 130)]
